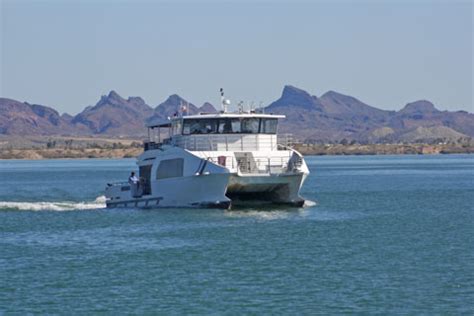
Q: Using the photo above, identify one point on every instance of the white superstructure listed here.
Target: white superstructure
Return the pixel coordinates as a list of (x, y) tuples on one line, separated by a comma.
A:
[(214, 160)]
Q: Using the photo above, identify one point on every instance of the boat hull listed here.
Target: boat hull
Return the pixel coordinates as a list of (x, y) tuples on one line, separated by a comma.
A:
[(200, 191), (200, 180), (214, 191), (272, 189), (155, 203)]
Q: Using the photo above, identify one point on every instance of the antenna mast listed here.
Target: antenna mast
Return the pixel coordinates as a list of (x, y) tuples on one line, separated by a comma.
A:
[(224, 102)]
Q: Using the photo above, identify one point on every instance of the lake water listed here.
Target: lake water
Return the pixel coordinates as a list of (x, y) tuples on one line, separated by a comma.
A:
[(383, 235)]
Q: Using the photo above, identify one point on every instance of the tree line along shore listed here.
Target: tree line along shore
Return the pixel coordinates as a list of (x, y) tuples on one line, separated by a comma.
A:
[(55, 148)]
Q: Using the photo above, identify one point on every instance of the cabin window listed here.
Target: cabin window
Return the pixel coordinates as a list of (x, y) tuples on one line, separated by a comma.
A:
[(230, 126), (200, 126), (250, 125), (235, 123), (269, 126), (170, 168), (177, 126)]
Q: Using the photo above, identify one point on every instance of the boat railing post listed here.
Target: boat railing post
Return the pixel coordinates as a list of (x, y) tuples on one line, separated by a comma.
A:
[(241, 143)]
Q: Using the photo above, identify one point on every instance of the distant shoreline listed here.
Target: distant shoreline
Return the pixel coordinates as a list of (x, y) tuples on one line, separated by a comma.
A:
[(383, 149), (128, 151)]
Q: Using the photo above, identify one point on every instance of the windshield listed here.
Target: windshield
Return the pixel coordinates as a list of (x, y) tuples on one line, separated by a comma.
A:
[(200, 127), (230, 126)]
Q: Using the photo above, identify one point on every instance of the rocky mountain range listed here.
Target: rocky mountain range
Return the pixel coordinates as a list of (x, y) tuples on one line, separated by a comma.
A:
[(332, 117), (335, 116)]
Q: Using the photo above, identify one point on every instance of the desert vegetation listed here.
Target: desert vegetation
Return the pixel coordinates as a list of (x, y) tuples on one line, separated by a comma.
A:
[(90, 147)]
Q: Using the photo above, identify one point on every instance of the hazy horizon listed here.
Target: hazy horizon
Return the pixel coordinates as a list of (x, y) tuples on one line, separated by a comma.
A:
[(67, 54)]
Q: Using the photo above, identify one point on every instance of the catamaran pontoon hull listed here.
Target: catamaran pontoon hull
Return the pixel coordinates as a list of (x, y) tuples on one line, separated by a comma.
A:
[(275, 189)]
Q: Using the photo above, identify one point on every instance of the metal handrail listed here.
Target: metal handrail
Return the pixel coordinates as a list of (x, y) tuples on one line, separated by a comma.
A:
[(264, 165), (215, 142), (285, 140), (225, 142)]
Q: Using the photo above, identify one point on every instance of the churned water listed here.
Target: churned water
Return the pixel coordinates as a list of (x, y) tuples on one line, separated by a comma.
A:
[(382, 235)]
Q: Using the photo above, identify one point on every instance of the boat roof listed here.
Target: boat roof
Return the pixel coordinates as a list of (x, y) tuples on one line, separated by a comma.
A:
[(167, 123), (231, 115), (158, 123)]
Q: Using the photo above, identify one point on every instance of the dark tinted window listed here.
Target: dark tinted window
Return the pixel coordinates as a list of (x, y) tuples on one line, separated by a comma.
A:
[(200, 127), (170, 168), (250, 125), (230, 126), (269, 126)]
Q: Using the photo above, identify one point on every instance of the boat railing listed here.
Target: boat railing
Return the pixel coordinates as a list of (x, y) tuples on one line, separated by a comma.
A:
[(273, 165), (234, 142), (249, 165), (227, 161), (149, 145), (285, 140)]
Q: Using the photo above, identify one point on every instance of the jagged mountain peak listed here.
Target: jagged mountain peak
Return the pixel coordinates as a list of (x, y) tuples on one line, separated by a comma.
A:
[(175, 99), (112, 98), (113, 95), (136, 100), (331, 117), (207, 108), (289, 90), (173, 105), (115, 100), (115, 115), (292, 96)]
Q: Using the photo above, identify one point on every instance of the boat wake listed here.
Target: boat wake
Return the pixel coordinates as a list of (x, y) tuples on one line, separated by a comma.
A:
[(98, 203), (308, 203)]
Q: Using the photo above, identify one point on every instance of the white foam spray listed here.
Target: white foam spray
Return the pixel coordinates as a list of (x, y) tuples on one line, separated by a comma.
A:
[(309, 203), (98, 203)]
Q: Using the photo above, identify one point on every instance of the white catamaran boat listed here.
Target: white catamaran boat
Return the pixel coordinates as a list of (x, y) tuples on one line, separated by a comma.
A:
[(213, 160)]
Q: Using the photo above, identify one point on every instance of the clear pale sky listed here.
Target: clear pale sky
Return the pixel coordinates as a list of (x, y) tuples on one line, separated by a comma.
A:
[(66, 54)]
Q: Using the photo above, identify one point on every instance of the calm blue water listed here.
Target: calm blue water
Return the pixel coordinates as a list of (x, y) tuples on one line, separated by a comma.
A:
[(389, 235)]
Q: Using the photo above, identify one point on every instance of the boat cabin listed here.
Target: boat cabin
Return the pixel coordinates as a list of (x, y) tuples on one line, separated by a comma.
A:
[(217, 132)]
